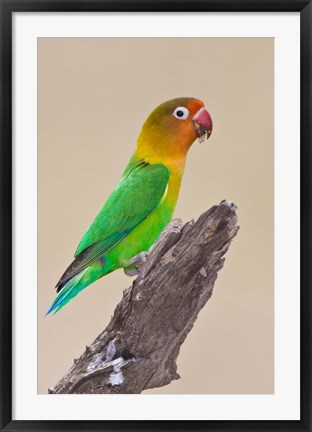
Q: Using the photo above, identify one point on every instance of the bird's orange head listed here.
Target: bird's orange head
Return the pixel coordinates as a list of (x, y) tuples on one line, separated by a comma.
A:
[(171, 129)]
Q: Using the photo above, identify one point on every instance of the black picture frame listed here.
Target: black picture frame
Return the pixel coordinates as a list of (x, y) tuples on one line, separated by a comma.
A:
[(7, 8)]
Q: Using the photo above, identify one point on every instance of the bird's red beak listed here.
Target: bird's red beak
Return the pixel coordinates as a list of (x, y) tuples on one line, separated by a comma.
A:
[(203, 124)]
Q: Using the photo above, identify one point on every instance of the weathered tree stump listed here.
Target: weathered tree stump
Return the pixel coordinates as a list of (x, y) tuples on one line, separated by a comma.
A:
[(139, 347)]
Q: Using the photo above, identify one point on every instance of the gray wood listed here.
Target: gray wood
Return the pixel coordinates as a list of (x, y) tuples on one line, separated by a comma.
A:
[(139, 347)]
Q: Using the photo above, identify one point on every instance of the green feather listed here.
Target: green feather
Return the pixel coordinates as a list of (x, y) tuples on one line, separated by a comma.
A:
[(138, 194)]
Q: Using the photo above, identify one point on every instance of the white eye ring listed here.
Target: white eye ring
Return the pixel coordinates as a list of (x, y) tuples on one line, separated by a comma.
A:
[(181, 113)]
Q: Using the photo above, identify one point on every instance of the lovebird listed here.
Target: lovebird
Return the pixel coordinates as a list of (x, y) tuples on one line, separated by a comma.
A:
[(143, 202)]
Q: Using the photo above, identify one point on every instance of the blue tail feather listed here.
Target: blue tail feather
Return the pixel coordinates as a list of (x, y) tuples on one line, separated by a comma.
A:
[(71, 287)]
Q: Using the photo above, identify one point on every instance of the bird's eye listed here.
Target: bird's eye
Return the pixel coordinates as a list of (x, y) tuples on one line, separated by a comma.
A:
[(181, 113)]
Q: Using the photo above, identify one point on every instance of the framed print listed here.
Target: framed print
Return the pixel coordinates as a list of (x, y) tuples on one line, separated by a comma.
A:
[(169, 143)]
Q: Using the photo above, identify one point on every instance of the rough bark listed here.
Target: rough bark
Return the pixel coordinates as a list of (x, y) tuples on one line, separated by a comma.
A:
[(139, 347)]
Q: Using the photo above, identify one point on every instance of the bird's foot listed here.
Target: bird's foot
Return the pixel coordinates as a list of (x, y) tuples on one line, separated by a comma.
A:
[(135, 263), (131, 270)]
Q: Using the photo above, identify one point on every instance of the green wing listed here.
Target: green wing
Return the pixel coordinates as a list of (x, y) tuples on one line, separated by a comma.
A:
[(140, 191), (137, 195)]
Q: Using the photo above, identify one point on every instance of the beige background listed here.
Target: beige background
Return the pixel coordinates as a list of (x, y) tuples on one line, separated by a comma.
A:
[(94, 95)]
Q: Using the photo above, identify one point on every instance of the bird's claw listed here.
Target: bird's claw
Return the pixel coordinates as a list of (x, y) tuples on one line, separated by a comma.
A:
[(135, 263), (139, 259), (131, 271)]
